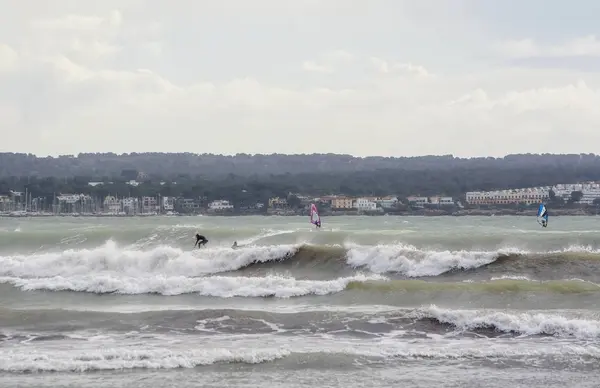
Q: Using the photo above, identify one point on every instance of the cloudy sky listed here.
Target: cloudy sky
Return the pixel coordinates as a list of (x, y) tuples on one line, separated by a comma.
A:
[(370, 77)]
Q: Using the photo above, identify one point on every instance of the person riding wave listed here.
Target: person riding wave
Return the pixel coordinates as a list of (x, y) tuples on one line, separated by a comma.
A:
[(200, 240)]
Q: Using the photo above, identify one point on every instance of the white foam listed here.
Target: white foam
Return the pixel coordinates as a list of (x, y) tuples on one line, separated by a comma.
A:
[(164, 260), (527, 323), (185, 351), (237, 305), (415, 262), (124, 358), (218, 286), (511, 277)]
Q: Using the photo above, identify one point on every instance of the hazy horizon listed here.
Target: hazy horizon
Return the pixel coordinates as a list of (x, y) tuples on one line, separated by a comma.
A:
[(304, 154), (470, 78)]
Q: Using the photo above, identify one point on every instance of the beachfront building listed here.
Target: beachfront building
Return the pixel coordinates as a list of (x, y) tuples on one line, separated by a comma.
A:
[(365, 204), (74, 203), (277, 203), (130, 205), (590, 191), (6, 204), (387, 202), (168, 204), (220, 205), (342, 203), (418, 201), (441, 201), (188, 205), (149, 205), (112, 205), (504, 197)]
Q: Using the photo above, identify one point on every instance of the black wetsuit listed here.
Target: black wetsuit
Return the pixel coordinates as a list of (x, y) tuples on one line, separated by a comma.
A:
[(200, 240)]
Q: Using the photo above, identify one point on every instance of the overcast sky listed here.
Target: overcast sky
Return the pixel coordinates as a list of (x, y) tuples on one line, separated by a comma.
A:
[(370, 77)]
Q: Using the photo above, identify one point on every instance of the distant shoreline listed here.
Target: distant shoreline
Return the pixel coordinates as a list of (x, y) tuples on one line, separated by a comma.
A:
[(461, 213)]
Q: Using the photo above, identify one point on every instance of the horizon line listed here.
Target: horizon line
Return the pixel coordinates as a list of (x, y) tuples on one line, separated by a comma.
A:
[(80, 154)]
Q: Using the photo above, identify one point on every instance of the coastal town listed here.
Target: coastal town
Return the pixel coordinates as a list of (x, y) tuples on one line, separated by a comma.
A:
[(17, 203)]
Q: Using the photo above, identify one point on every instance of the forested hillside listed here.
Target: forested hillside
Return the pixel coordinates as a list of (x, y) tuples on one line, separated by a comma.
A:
[(246, 179), (164, 165)]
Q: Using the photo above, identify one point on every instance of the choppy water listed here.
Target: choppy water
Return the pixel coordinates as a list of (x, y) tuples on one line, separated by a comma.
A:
[(363, 302)]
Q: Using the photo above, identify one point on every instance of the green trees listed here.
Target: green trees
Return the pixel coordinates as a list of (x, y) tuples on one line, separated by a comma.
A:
[(576, 196), (156, 165), (248, 179)]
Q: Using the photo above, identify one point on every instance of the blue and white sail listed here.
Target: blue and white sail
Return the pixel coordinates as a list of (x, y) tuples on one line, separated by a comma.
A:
[(542, 215)]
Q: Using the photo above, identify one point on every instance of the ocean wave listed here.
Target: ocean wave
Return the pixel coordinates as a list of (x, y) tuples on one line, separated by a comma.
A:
[(524, 323), (163, 260), (171, 261), (428, 321), (414, 262), (188, 352), (494, 286), (123, 358), (280, 286), (167, 270), (216, 286)]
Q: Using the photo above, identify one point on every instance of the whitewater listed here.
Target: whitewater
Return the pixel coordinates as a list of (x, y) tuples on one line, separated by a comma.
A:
[(362, 301)]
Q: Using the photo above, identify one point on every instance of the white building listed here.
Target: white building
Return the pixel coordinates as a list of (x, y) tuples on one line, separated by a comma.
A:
[(168, 203), (71, 198), (441, 201), (220, 204), (419, 201), (149, 204), (130, 205), (364, 204), (112, 205), (6, 203), (501, 197), (590, 191), (387, 202)]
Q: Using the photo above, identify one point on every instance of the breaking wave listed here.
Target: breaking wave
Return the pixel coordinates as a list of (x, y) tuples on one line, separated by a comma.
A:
[(438, 328), (524, 323), (217, 286), (170, 271), (171, 261)]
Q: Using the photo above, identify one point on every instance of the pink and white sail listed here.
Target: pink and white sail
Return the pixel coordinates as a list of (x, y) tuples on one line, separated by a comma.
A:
[(315, 219)]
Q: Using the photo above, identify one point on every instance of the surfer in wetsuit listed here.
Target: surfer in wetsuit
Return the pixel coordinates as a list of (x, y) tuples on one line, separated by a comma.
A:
[(200, 240), (234, 246)]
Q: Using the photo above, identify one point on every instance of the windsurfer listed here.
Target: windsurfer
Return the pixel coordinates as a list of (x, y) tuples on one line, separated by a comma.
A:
[(314, 216), (543, 215)]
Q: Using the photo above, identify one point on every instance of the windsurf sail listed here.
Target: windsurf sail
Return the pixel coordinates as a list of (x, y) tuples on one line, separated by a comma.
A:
[(542, 215), (315, 219)]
